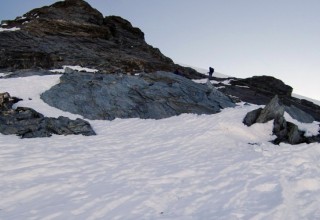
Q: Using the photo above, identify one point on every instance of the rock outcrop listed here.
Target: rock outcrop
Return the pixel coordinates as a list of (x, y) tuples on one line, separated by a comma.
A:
[(286, 132), (261, 89), (155, 95), (27, 123), (71, 32)]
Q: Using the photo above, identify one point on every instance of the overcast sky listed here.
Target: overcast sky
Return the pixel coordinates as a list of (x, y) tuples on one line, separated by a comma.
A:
[(243, 38)]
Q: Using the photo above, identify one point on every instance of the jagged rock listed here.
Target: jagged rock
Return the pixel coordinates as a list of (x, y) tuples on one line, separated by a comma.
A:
[(271, 111), (155, 95), (73, 33), (27, 123), (298, 114), (287, 132)]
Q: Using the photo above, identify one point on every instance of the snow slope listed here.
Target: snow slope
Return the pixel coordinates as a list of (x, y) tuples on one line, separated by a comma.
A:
[(183, 167)]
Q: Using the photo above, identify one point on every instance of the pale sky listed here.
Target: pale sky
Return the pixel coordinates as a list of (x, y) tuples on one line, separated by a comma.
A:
[(241, 38)]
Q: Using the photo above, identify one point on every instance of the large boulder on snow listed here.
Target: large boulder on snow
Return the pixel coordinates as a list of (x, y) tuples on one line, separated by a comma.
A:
[(155, 96), (28, 123), (272, 110)]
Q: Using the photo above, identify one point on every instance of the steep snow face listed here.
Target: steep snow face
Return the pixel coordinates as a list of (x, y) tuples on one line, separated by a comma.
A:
[(184, 167)]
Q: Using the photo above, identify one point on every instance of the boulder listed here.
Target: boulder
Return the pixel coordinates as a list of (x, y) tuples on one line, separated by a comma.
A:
[(155, 96), (28, 123)]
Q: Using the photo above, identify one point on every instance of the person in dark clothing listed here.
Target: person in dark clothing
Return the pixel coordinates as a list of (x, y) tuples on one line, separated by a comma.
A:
[(211, 71)]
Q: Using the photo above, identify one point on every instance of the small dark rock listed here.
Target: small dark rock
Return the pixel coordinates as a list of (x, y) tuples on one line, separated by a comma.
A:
[(252, 117)]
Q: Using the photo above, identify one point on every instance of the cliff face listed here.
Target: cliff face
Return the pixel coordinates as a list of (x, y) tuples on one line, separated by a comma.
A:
[(71, 32)]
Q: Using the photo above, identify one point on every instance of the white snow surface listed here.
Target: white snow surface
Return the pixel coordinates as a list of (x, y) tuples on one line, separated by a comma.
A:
[(9, 29), (184, 167), (77, 68)]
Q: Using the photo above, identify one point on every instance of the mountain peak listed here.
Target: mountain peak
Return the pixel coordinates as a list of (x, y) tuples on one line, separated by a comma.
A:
[(70, 10), (72, 32)]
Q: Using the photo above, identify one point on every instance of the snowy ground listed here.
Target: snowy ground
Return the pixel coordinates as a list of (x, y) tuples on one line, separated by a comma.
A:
[(184, 167)]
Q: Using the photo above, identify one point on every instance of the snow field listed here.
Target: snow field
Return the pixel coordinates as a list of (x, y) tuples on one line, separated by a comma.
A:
[(184, 167)]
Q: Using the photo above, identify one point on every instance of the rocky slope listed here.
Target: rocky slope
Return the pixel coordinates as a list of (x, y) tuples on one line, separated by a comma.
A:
[(71, 32), (261, 89)]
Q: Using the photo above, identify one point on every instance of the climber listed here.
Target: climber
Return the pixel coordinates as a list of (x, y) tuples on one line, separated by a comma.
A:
[(211, 71)]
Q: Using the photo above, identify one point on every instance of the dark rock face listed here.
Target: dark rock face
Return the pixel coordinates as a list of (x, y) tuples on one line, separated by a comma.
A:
[(71, 32), (27, 123), (261, 89), (286, 132), (155, 95), (298, 114), (268, 84)]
